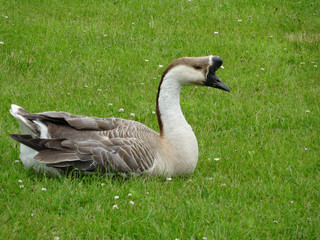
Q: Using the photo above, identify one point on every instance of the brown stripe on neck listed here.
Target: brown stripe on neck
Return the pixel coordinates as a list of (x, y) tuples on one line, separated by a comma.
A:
[(157, 106), (158, 94)]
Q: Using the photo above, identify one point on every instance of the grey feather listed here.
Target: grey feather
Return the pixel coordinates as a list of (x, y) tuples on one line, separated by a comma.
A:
[(89, 143)]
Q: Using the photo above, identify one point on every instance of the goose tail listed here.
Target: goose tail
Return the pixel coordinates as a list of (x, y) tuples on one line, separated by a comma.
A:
[(26, 126), (30, 129)]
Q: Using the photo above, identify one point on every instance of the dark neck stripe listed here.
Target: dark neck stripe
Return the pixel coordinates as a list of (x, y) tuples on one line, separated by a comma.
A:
[(157, 104)]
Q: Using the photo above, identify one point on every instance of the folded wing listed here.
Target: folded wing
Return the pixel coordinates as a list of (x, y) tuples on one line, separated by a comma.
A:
[(91, 144)]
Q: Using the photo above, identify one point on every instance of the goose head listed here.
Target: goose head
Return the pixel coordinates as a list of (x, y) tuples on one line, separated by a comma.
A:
[(196, 71)]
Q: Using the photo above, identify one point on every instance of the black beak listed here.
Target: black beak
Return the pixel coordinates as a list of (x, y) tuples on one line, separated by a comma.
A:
[(212, 79)]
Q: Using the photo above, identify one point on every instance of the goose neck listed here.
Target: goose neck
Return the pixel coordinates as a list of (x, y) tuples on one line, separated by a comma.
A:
[(170, 117)]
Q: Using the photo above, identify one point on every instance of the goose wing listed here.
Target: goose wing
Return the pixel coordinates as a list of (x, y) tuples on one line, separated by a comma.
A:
[(92, 144)]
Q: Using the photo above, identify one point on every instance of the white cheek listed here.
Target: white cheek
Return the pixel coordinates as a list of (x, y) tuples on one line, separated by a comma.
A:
[(186, 75), (194, 78), (191, 77)]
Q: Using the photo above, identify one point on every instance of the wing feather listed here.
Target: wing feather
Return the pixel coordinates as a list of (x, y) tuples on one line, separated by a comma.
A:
[(50, 156), (89, 143)]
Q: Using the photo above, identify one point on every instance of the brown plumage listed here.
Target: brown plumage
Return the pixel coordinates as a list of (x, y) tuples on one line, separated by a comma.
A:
[(90, 143)]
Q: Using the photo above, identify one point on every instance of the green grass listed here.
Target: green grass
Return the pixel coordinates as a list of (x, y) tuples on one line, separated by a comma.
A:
[(266, 131)]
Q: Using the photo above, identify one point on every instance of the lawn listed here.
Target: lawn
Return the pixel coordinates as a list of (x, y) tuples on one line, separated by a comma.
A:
[(258, 170)]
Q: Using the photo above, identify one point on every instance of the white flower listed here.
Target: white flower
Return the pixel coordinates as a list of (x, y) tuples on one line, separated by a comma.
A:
[(105, 35), (146, 60), (43, 189), (204, 238), (99, 90), (19, 181), (142, 83), (210, 178), (1, 43), (131, 203), (302, 63), (132, 114), (146, 193), (21, 186), (110, 104), (216, 32), (121, 110), (129, 194), (160, 66), (222, 67), (169, 179), (262, 69), (275, 221), (56, 238), (116, 197), (292, 202), (16, 161), (69, 93), (102, 184), (115, 206), (32, 214), (315, 66), (85, 85), (305, 149), (6, 17), (153, 112), (216, 159), (239, 20), (271, 36), (307, 111)]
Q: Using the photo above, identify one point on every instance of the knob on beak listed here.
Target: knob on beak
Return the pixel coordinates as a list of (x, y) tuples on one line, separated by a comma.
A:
[(216, 63)]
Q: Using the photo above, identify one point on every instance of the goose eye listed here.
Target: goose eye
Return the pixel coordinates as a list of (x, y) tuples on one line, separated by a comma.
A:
[(197, 67)]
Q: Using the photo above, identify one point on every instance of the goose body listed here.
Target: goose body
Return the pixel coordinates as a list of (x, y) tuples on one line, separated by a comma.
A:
[(58, 141)]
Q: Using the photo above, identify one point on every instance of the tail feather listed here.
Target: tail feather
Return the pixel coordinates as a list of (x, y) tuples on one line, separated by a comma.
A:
[(15, 109), (26, 139), (55, 153), (50, 153), (26, 126), (29, 147)]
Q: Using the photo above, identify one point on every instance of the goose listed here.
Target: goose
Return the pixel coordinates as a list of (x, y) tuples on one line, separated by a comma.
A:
[(57, 142)]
